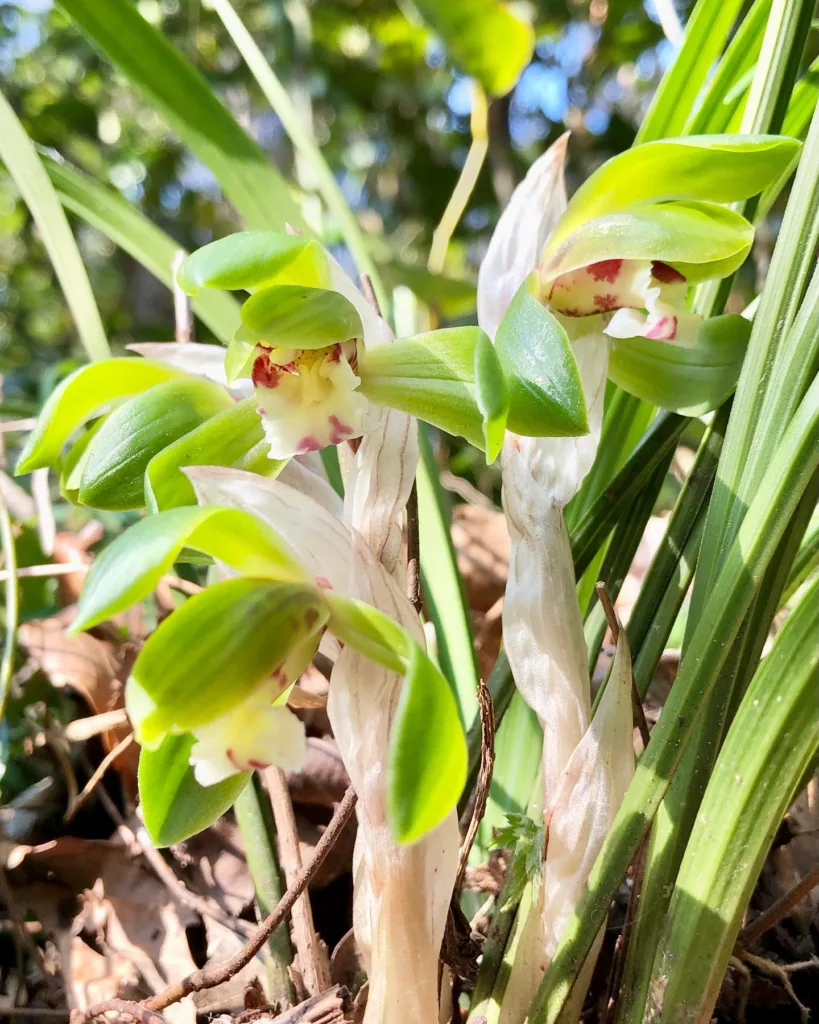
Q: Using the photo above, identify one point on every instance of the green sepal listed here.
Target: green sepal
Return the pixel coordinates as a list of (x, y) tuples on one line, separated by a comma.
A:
[(687, 379), (294, 316), (427, 757), (427, 763), (368, 631), (129, 568), (174, 806), (700, 240), (252, 259), (430, 376), (714, 168), (491, 396), (119, 454), (83, 395), (216, 649), (73, 462), (545, 391), (234, 437), (240, 355)]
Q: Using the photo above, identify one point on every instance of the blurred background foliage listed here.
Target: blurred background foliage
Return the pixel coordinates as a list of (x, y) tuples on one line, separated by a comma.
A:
[(391, 115)]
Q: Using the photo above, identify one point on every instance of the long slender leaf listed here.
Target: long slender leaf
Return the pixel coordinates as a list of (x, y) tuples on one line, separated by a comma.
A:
[(792, 465), (20, 157), (182, 95), (773, 740), (443, 589), (127, 227)]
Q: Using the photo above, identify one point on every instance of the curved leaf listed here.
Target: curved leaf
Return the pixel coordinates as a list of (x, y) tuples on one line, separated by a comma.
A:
[(214, 651), (119, 454), (491, 395), (295, 316), (484, 38), (130, 567), (688, 379), (234, 437), (86, 393), (545, 392), (701, 240), (714, 168), (253, 259), (427, 757), (174, 805)]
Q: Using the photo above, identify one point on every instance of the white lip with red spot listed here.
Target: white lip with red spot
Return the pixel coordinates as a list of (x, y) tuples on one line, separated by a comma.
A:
[(642, 298), (252, 736), (308, 398)]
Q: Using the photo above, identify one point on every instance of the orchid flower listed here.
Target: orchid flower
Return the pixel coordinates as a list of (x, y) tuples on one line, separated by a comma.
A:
[(219, 668), (308, 367), (611, 270)]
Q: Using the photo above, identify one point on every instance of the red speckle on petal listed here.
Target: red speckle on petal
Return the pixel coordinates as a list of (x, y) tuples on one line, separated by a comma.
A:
[(259, 765), (335, 354), (265, 374), (324, 583), (571, 311), (340, 430), (308, 444), (665, 274), (606, 303), (311, 617), (232, 758), (605, 270)]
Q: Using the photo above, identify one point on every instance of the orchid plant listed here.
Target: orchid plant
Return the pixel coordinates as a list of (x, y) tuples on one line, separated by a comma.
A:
[(611, 271)]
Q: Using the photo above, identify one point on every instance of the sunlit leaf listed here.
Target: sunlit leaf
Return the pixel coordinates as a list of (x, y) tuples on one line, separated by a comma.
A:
[(174, 806), (484, 38), (17, 152), (215, 650), (491, 395), (135, 432), (545, 392), (129, 568), (294, 316), (234, 437), (84, 395), (427, 760), (253, 259), (186, 101)]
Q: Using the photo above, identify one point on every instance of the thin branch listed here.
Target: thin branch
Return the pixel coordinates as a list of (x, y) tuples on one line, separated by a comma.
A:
[(21, 426), (122, 1007), (414, 551), (484, 778), (779, 910), (314, 973), (217, 973), (51, 569), (96, 778)]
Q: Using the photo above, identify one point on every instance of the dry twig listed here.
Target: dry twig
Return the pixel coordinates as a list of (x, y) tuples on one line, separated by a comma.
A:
[(216, 973), (779, 910), (96, 778), (122, 1007), (484, 778), (313, 965)]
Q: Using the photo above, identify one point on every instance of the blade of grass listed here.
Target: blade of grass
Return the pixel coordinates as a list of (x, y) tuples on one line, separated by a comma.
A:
[(443, 588), (22, 162), (705, 34), (292, 122), (12, 602), (806, 561), (792, 465), (723, 94), (184, 98), (131, 230), (772, 741)]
